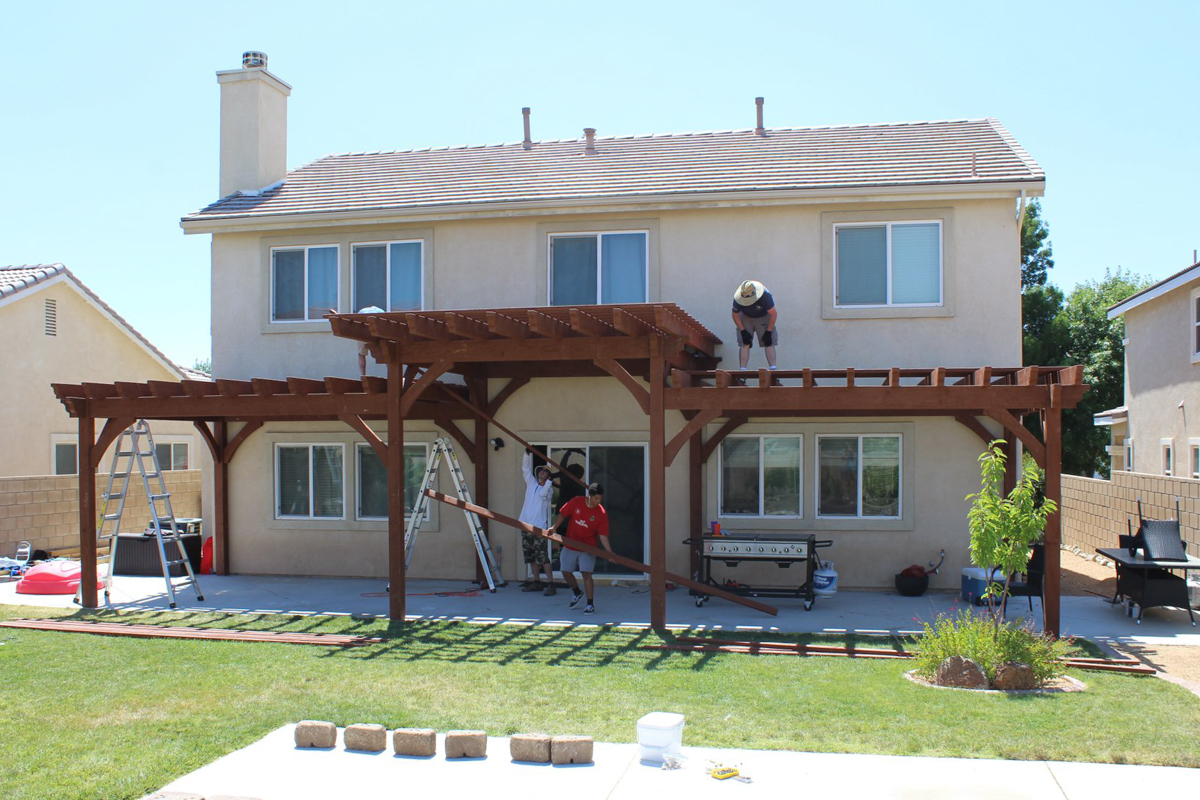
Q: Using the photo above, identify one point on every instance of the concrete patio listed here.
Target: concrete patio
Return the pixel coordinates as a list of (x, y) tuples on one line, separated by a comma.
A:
[(625, 604)]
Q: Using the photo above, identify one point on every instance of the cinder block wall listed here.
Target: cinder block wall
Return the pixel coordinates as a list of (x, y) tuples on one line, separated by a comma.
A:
[(44, 510), (1094, 512)]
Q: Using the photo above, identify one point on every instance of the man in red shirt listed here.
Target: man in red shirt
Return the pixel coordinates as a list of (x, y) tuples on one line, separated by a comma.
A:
[(587, 522)]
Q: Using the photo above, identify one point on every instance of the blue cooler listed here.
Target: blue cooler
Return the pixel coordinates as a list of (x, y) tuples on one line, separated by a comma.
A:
[(974, 582)]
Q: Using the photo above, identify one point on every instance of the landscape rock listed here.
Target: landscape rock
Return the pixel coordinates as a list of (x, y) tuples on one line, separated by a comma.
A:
[(311, 733), (466, 744), (533, 747), (960, 672), (415, 742), (365, 736), (1013, 675), (571, 750)]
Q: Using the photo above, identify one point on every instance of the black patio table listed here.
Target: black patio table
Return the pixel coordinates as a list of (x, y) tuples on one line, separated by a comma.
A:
[(1150, 582)]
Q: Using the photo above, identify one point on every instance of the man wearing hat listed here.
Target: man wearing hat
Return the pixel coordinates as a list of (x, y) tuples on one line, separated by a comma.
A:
[(754, 313), (536, 511)]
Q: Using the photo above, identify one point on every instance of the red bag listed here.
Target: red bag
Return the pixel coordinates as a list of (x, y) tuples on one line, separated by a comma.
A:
[(915, 571)]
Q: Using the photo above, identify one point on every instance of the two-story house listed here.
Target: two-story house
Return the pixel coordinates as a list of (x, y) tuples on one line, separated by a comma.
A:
[(884, 246), (1157, 430)]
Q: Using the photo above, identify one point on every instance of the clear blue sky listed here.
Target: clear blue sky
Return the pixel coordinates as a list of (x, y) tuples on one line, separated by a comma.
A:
[(109, 123)]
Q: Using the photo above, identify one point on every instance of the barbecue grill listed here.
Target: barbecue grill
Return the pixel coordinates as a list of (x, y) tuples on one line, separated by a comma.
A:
[(734, 548)]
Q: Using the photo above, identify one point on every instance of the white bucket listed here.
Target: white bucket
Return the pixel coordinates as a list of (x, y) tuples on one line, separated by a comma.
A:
[(825, 580), (660, 733)]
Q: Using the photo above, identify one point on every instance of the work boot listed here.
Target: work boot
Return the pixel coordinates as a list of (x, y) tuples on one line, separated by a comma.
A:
[(532, 586), (550, 590)]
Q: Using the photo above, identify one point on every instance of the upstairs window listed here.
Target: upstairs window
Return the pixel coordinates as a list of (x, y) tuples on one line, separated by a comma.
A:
[(389, 276), (1129, 455), (760, 476), (1195, 471), (592, 268), (304, 283), (888, 264), (1196, 324), (1168, 456)]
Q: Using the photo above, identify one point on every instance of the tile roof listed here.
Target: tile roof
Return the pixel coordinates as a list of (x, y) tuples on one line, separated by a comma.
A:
[(1167, 284), (21, 278), (959, 152)]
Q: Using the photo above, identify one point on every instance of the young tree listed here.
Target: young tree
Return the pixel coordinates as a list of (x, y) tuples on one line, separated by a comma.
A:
[(1003, 529), (203, 365)]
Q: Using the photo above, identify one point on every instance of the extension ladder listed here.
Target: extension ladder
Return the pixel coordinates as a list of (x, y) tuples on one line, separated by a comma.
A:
[(442, 447), (135, 446)]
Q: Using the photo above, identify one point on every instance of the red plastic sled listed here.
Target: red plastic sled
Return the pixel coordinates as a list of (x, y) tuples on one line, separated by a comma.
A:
[(53, 577)]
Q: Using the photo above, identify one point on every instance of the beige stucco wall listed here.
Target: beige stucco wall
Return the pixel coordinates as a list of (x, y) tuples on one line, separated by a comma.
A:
[(563, 412), (1160, 376), (697, 257), (1095, 512), (88, 346), (44, 510)]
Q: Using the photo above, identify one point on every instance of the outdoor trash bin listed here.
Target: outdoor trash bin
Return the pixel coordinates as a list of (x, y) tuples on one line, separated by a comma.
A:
[(137, 554)]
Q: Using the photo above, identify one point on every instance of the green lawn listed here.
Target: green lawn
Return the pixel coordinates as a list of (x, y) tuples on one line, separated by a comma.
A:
[(105, 717)]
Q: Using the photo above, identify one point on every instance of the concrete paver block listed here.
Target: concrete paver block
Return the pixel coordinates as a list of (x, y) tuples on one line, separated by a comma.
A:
[(414, 742), (533, 747), (466, 744), (365, 736), (571, 750), (173, 796), (311, 733)]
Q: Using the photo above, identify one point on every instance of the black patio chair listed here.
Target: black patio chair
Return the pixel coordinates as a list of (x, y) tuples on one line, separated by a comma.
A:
[(1031, 585)]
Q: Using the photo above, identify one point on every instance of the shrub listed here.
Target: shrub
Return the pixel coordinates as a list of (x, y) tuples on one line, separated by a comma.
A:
[(985, 643)]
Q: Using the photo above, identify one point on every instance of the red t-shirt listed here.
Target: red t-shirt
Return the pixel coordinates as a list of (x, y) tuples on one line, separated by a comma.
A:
[(584, 524)]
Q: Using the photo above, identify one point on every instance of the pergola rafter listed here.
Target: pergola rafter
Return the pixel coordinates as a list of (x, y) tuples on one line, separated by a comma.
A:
[(658, 352)]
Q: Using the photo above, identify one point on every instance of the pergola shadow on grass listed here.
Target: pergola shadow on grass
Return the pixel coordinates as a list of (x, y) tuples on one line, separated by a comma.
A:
[(657, 351)]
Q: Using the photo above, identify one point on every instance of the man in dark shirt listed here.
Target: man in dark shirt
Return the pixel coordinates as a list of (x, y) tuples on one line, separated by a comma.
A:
[(754, 313)]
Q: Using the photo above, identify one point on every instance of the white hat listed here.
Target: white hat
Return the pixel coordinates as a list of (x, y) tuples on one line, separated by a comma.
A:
[(748, 293)]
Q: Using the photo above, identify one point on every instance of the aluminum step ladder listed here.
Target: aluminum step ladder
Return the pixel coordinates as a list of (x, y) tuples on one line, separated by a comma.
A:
[(445, 447), (135, 446)]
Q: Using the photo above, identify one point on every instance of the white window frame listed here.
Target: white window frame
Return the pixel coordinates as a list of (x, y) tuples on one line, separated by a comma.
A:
[(358, 483), (387, 271), (1129, 454), (56, 440), (597, 235), (761, 493), (1194, 326), (858, 517), (1168, 456), (175, 441), (1194, 458), (337, 303), (888, 225), (312, 495)]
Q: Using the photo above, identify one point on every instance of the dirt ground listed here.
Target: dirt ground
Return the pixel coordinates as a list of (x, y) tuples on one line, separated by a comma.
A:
[(1081, 577)]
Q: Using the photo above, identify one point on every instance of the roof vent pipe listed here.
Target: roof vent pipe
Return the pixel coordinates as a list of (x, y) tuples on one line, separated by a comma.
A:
[(589, 135), (759, 130), (253, 59), (528, 143)]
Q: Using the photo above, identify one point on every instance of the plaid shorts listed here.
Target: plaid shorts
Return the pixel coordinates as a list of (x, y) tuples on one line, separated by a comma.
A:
[(535, 549)]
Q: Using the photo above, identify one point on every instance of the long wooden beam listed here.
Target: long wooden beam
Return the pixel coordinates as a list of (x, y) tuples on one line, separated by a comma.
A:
[(884, 399), (601, 553)]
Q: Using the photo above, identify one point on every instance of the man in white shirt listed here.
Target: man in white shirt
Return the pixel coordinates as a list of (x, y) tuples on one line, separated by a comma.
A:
[(536, 511)]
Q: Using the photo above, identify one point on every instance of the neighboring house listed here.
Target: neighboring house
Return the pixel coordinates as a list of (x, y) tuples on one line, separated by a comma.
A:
[(1157, 430), (884, 246), (57, 330)]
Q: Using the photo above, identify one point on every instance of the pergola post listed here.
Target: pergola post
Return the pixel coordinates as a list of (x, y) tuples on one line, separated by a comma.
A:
[(695, 500), (395, 475), (87, 512), (1052, 589), (658, 488), (478, 388), (220, 538)]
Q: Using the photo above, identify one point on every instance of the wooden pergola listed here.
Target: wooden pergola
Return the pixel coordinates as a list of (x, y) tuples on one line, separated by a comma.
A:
[(657, 351)]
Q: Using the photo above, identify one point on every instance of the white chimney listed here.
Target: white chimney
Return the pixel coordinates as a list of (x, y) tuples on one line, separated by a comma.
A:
[(253, 126)]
